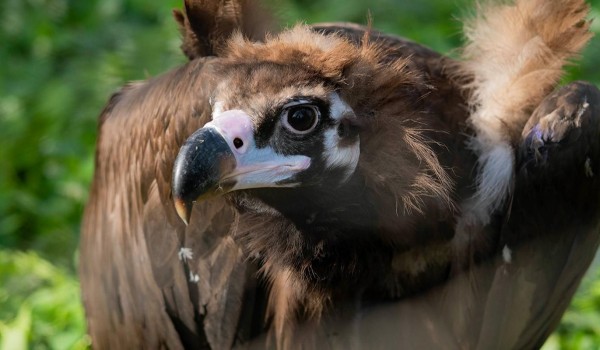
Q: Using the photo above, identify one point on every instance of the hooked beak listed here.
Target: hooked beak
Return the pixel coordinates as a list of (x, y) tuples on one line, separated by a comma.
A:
[(198, 169), (222, 157)]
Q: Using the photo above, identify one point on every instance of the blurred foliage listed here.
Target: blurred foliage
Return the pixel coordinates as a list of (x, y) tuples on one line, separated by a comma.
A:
[(38, 305), (61, 59), (580, 326)]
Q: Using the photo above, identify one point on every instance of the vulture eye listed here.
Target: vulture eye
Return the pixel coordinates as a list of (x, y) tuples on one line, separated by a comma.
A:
[(301, 119)]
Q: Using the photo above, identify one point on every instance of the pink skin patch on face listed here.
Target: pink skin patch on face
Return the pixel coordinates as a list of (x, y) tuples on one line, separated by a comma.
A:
[(236, 128)]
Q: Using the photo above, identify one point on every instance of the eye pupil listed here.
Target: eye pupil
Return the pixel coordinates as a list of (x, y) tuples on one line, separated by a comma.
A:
[(238, 143), (302, 118)]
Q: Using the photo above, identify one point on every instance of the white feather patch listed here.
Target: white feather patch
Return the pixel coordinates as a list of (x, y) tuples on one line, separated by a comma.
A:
[(338, 108), (217, 109), (185, 254), (493, 183), (340, 157), (336, 156), (588, 168), (194, 278), (507, 254)]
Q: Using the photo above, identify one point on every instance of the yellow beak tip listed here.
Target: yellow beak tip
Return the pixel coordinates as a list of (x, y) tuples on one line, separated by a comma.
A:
[(183, 210)]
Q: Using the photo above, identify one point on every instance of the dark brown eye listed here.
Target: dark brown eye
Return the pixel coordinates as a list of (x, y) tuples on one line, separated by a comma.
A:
[(301, 119)]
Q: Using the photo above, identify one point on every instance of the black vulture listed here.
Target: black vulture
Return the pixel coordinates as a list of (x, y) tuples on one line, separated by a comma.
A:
[(332, 186)]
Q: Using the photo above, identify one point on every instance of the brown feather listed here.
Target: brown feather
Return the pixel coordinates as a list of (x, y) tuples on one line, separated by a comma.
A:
[(132, 274), (205, 25)]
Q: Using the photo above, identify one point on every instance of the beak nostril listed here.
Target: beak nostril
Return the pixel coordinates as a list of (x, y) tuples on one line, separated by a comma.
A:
[(238, 143)]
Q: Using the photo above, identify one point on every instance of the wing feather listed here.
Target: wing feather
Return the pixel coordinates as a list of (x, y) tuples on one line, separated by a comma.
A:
[(132, 269)]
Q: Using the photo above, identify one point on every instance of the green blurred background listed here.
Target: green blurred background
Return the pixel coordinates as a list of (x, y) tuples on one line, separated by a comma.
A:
[(59, 62)]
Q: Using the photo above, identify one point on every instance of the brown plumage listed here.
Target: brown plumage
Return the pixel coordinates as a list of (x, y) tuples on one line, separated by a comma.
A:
[(337, 177)]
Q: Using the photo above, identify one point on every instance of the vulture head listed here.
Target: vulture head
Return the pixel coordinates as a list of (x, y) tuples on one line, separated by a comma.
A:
[(290, 113), (280, 120)]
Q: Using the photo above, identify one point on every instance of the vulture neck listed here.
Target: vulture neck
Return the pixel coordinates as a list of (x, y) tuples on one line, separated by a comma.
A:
[(335, 240), (327, 211)]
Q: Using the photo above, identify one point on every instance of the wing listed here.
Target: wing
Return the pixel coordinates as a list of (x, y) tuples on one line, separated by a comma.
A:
[(148, 280), (556, 204)]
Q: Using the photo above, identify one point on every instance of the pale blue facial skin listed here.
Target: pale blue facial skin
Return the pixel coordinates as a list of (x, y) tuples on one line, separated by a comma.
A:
[(255, 167)]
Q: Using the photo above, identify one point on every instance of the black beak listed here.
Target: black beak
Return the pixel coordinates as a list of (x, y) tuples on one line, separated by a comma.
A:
[(201, 163)]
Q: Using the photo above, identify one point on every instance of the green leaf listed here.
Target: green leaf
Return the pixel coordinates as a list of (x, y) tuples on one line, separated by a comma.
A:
[(15, 334)]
